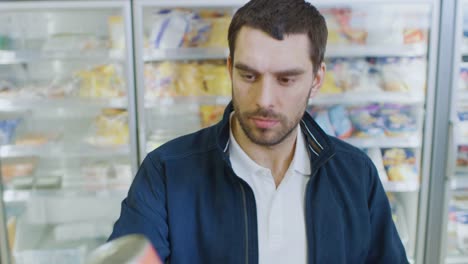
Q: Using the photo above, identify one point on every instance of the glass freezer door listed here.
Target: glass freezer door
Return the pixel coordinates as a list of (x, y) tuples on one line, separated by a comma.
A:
[(456, 241), (67, 133), (374, 94)]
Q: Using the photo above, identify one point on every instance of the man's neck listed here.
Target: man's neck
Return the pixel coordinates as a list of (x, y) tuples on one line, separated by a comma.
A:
[(277, 158)]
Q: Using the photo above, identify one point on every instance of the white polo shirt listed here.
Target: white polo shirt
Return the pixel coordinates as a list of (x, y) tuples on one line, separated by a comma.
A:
[(280, 211)]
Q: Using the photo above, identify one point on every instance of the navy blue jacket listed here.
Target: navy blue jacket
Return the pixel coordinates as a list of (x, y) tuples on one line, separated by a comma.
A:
[(189, 202)]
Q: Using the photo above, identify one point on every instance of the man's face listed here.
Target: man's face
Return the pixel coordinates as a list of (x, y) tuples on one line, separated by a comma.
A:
[(272, 81)]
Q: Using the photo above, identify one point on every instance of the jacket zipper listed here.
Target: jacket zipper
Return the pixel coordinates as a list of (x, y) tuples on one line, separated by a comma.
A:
[(246, 225), (307, 203)]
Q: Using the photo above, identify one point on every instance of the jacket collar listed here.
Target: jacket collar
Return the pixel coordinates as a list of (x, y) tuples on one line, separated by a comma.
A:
[(319, 144)]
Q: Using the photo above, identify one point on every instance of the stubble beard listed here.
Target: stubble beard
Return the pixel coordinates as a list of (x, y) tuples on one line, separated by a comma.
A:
[(286, 127)]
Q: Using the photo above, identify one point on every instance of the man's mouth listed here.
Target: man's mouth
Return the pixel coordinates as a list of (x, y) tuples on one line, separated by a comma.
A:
[(264, 123)]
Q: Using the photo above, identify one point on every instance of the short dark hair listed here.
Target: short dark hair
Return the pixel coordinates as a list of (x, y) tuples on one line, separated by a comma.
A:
[(282, 17)]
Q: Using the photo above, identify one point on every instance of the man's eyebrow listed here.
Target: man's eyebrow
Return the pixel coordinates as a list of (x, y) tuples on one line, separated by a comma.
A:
[(290, 72), (243, 67)]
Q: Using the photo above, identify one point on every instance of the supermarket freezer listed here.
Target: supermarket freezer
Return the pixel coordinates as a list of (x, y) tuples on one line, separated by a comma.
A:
[(68, 144), (378, 93)]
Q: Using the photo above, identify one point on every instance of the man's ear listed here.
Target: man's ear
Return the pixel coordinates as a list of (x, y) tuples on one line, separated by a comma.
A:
[(229, 66), (318, 80)]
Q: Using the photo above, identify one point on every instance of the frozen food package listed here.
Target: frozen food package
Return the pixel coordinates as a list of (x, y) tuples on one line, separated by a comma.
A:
[(110, 128), (219, 28), (463, 79), (198, 34), (376, 156), (452, 228), (105, 80), (169, 28), (352, 24), (462, 229), (340, 121), (8, 130), (414, 74), (399, 120), (462, 125), (11, 230), (215, 79), (349, 73), (367, 121), (160, 79), (400, 164), (392, 74), (8, 89), (189, 79), (329, 85), (323, 120), (416, 21), (462, 156), (36, 139), (116, 32), (335, 34), (414, 35), (371, 79), (211, 114), (18, 168)]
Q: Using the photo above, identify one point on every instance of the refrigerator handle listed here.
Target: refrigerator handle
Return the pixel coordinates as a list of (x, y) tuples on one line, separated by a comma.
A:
[(451, 155)]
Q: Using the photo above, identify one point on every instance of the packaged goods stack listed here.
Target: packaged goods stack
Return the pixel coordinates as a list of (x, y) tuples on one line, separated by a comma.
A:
[(65, 126), (456, 246), (185, 83)]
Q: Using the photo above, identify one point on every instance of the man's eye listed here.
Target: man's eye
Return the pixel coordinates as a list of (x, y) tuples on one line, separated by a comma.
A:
[(286, 81), (248, 77)]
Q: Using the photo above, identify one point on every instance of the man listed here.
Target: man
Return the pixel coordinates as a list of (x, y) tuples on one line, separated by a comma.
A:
[(266, 184)]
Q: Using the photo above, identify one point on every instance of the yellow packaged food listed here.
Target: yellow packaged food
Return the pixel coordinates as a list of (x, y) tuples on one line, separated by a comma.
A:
[(329, 85), (189, 80), (116, 32), (218, 36), (102, 81), (11, 228), (400, 164), (210, 114), (216, 80), (160, 79), (111, 128)]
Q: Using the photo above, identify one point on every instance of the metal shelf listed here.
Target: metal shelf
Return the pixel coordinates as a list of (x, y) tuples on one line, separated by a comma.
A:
[(412, 141), (56, 150), (19, 57), (456, 259), (12, 195), (19, 104), (321, 99), (186, 54), (184, 100), (367, 97), (238, 3), (412, 50), (401, 186)]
